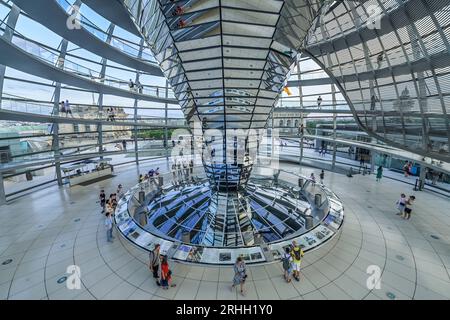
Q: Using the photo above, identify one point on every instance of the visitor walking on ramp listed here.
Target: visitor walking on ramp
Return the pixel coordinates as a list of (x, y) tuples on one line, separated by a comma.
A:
[(379, 173), (240, 274)]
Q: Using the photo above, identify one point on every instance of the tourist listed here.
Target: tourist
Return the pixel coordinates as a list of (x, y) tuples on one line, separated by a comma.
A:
[(119, 191), (67, 108), (181, 23), (361, 161), (287, 264), (302, 129), (178, 11), (131, 85), (323, 148), (350, 173), (108, 114), (373, 102), (63, 108), (240, 274), (186, 170), (108, 208), (155, 260), (406, 169), (322, 176), (109, 226), (151, 174), (379, 173), (102, 197), (319, 101), (297, 254), (191, 167), (401, 204), (380, 59), (174, 172), (435, 177), (112, 115), (408, 207), (166, 274), (124, 145), (113, 201), (313, 178), (139, 86), (179, 171)]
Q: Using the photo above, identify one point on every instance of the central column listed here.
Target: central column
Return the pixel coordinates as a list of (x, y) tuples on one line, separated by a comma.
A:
[(228, 158)]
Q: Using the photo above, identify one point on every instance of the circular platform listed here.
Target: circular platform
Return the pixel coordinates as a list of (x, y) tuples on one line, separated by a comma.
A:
[(196, 225), (194, 214)]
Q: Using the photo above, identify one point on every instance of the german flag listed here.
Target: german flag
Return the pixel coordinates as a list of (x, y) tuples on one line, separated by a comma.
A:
[(286, 89)]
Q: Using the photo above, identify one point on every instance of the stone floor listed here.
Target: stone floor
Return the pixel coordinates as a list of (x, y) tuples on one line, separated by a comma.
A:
[(44, 232)]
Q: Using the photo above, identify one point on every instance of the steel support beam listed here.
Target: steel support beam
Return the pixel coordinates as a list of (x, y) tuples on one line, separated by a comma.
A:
[(14, 14), (100, 97)]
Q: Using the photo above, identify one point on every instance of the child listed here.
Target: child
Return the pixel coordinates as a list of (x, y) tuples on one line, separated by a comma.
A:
[(166, 274), (401, 204), (113, 201)]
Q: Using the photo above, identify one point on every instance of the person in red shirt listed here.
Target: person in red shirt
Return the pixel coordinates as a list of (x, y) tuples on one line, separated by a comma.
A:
[(181, 23), (166, 274), (178, 11)]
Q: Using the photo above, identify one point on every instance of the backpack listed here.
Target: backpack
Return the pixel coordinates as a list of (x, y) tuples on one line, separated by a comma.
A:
[(286, 263), (297, 254)]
